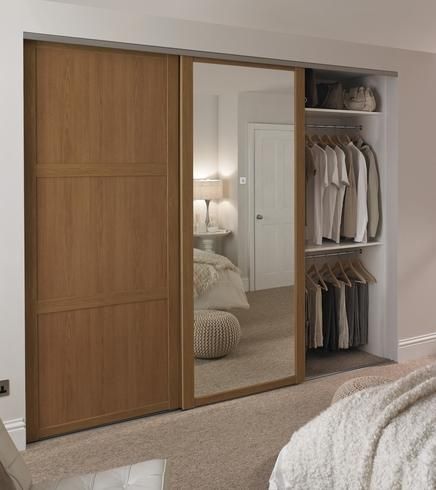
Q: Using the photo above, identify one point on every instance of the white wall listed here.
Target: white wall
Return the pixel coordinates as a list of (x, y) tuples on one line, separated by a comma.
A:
[(205, 136), (205, 147), (228, 171), (417, 167)]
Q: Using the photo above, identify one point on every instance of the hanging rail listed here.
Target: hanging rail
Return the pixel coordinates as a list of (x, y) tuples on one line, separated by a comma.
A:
[(334, 126), (315, 255)]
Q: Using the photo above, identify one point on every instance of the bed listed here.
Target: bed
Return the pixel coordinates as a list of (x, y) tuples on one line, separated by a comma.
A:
[(217, 283), (383, 437)]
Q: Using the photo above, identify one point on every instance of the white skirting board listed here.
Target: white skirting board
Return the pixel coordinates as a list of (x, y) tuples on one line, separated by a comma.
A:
[(416, 347), (17, 430)]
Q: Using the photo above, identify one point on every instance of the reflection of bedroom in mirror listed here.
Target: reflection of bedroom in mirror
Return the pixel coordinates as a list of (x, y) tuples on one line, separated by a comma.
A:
[(244, 243)]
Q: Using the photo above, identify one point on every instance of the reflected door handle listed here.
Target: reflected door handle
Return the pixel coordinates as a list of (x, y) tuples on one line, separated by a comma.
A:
[(259, 216)]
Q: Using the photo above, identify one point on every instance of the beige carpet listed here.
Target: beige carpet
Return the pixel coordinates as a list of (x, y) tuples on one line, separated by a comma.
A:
[(230, 445), (266, 349), (265, 352)]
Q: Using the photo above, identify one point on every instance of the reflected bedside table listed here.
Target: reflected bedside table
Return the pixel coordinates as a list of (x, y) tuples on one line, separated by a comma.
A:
[(211, 241)]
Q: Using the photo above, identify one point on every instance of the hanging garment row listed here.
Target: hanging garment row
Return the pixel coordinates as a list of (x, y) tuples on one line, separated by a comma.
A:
[(337, 304), (343, 198)]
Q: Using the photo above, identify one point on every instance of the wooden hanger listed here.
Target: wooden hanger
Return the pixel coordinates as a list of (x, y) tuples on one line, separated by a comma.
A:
[(311, 281), (327, 270), (315, 139), (349, 267), (345, 138), (356, 139), (335, 139), (339, 269), (314, 269), (328, 140), (364, 271)]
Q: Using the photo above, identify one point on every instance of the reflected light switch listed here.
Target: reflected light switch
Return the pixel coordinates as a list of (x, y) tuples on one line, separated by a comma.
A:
[(242, 180)]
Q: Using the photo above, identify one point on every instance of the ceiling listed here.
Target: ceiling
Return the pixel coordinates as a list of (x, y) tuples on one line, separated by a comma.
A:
[(395, 23)]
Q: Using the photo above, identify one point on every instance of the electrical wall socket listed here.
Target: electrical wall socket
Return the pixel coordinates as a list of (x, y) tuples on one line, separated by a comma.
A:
[(4, 387)]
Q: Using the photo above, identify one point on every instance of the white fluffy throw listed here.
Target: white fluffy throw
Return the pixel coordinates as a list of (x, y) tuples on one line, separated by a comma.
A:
[(381, 438)]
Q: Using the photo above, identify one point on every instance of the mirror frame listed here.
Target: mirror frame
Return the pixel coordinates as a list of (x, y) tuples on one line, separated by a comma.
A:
[(186, 236)]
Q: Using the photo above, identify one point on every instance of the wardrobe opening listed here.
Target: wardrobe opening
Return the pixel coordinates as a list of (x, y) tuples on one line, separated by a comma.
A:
[(349, 160)]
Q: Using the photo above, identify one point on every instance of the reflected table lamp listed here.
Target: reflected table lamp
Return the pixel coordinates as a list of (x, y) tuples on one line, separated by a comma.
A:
[(208, 190)]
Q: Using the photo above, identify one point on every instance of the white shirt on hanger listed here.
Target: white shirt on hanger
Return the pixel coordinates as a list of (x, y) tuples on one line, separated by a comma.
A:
[(361, 175), (343, 183), (331, 192), (348, 224), (317, 185), (373, 190)]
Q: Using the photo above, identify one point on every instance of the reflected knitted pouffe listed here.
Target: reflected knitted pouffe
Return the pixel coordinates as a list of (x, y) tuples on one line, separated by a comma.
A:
[(357, 384), (216, 333)]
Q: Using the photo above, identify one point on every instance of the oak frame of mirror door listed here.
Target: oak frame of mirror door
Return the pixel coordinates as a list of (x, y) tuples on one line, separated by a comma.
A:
[(186, 219)]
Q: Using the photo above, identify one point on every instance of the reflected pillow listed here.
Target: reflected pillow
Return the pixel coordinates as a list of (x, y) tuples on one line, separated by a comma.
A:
[(227, 293)]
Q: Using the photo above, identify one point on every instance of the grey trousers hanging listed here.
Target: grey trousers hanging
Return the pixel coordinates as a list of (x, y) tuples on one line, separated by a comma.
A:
[(363, 294)]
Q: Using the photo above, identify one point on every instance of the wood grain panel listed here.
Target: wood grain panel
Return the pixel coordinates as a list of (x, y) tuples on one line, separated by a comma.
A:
[(120, 365), (97, 170), (100, 106), (174, 256), (102, 236), (104, 299), (30, 139), (187, 228), (300, 186)]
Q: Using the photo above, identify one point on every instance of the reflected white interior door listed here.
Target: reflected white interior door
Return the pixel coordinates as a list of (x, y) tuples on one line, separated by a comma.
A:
[(274, 207)]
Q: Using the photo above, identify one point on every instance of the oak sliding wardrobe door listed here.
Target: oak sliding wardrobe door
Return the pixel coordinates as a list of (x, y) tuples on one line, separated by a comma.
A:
[(102, 260)]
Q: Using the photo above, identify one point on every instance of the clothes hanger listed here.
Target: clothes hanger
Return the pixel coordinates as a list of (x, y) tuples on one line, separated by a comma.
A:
[(364, 271), (335, 139), (327, 139), (357, 140), (314, 269), (339, 269), (311, 281), (349, 267), (327, 270), (345, 138), (315, 139)]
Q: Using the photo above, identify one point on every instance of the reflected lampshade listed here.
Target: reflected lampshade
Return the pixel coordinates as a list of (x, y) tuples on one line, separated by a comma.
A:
[(208, 189)]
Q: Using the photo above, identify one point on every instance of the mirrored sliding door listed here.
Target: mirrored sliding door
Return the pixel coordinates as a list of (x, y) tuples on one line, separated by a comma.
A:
[(245, 229)]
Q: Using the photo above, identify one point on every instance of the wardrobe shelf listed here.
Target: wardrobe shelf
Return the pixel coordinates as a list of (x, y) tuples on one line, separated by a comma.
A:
[(331, 247), (339, 112)]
